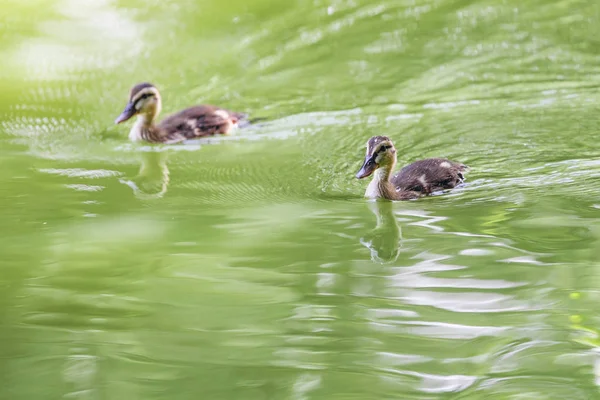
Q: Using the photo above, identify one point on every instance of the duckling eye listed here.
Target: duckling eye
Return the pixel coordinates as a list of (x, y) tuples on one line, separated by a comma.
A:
[(144, 96)]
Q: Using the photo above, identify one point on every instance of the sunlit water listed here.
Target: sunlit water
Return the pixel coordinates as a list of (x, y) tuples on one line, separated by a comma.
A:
[(250, 267)]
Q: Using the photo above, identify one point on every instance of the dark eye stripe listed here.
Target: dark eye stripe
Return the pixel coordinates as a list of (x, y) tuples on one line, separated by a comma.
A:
[(144, 96)]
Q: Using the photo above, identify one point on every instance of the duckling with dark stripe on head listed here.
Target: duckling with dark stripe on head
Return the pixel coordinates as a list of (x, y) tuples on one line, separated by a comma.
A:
[(192, 123), (420, 178)]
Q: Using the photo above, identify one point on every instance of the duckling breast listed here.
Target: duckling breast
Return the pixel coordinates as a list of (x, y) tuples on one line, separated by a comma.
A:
[(373, 191)]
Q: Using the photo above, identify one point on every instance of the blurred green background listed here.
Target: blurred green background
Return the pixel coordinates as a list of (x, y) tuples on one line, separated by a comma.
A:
[(250, 267)]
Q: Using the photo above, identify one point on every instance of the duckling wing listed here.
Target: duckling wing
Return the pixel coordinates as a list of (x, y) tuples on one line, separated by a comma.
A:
[(426, 176), (198, 122)]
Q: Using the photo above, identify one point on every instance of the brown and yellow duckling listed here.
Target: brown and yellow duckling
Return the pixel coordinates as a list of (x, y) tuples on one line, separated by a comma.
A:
[(420, 178), (192, 123)]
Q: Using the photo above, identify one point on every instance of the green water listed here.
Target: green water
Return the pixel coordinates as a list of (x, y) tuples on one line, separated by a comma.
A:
[(250, 267)]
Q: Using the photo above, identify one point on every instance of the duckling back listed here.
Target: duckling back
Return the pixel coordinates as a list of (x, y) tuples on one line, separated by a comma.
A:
[(199, 121), (430, 175)]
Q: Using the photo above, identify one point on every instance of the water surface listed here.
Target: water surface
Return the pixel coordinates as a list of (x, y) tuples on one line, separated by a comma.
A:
[(250, 267)]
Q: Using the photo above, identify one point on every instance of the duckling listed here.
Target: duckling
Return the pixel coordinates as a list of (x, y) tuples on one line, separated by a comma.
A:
[(192, 123), (420, 178)]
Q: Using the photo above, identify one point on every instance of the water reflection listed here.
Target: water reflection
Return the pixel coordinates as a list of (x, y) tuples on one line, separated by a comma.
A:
[(78, 38), (152, 180), (384, 240)]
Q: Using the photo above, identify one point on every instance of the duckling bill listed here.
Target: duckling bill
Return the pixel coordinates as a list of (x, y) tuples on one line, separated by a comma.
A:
[(192, 123), (420, 178)]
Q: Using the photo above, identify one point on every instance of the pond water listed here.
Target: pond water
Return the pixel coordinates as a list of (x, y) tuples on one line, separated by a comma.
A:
[(250, 267)]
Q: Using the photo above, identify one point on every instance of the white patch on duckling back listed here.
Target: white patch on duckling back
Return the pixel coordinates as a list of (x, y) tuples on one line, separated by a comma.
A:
[(423, 180), (225, 115), (445, 164)]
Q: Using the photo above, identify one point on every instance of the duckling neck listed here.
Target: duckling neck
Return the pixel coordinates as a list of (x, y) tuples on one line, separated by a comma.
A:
[(380, 185), (383, 174), (145, 129)]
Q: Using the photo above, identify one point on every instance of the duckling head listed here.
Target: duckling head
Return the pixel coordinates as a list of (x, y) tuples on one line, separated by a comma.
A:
[(381, 153), (144, 100)]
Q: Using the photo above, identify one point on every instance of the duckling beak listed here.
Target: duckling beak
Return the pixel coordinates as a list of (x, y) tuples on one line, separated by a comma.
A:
[(368, 167), (127, 113)]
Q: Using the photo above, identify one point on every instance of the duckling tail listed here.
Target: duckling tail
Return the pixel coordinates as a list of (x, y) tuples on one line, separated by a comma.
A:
[(461, 170), (245, 122)]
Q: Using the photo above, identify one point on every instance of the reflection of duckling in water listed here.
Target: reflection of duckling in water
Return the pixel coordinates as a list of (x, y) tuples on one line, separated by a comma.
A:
[(384, 240), (152, 179), (418, 179)]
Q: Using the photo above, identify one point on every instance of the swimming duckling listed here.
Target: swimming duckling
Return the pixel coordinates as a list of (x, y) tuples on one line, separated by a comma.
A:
[(418, 179), (191, 123)]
